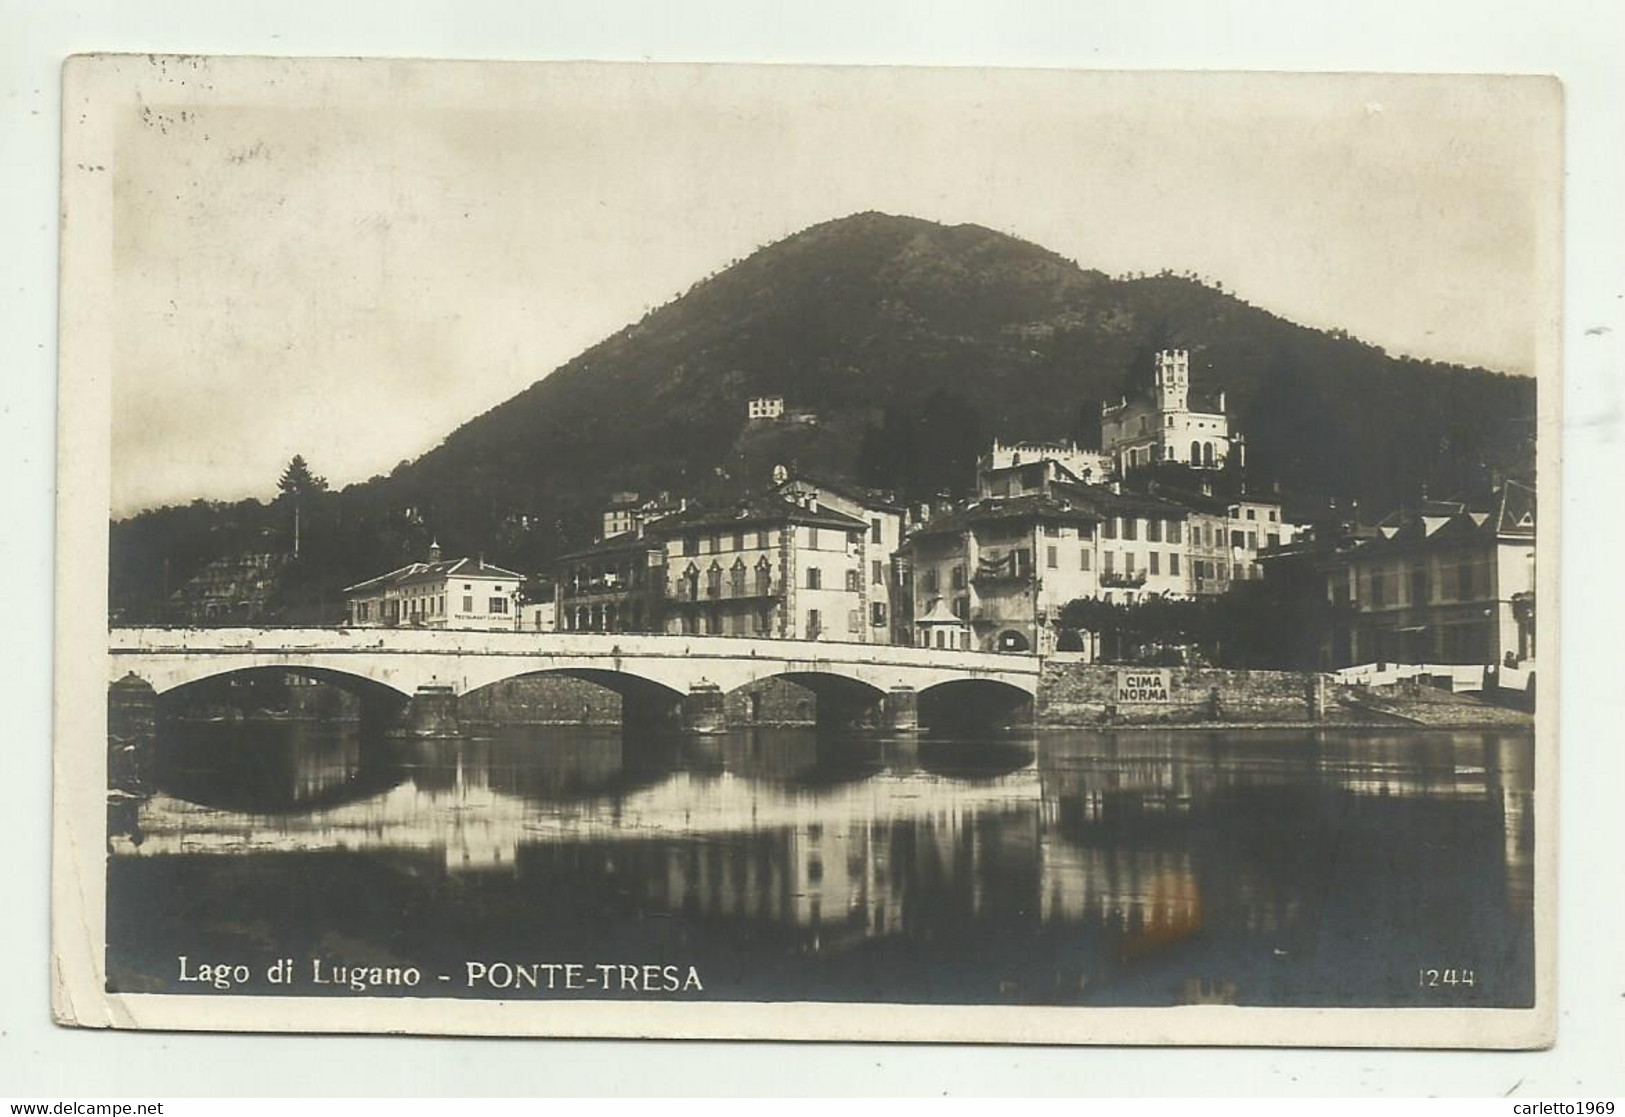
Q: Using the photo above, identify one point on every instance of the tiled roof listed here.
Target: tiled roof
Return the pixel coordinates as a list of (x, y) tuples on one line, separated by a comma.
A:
[(869, 498), (429, 571), (770, 509)]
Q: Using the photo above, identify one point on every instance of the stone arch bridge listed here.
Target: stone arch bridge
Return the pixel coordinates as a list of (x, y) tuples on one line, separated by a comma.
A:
[(660, 678)]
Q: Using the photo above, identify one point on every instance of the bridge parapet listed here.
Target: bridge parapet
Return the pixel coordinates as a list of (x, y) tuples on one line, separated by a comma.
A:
[(465, 659)]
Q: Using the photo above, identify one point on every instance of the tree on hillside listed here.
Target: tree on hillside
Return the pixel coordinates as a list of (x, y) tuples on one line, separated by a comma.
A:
[(296, 483)]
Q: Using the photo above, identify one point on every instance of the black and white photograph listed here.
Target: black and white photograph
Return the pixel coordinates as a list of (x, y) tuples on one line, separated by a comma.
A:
[(793, 552)]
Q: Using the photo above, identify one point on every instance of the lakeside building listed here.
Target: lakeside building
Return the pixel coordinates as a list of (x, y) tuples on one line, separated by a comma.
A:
[(994, 573), (457, 593), (616, 585), (886, 520), (770, 566), (1167, 424), (1444, 583)]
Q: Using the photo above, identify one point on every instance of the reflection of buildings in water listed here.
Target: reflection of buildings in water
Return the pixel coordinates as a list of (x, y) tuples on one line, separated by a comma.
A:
[(269, 768), (1138, 777), (1152, 893), (802, 844)]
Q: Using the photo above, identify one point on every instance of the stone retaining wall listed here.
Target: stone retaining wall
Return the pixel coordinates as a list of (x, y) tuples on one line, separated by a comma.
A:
[(1087, 694)]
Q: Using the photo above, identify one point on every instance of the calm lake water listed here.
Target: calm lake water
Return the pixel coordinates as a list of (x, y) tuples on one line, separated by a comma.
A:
[(1061, 867)]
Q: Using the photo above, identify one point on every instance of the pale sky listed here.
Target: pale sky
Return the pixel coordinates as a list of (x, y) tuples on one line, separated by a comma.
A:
[(349, 260)]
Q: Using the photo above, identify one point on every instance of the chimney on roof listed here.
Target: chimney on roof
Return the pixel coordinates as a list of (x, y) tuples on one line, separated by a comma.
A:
[(1221, 401), (434, 551)]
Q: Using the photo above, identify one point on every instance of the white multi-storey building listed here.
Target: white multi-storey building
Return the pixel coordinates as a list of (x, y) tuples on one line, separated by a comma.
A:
[(1164, 426)]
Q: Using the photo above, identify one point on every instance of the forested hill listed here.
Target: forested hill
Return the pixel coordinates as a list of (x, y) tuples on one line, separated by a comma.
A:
[(915, 343)]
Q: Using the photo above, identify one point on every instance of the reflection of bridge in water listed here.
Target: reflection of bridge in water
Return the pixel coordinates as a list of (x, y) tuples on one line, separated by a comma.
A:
[(1154, 837)]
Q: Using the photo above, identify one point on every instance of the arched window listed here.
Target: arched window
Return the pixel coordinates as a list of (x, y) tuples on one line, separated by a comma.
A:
[(691, 582), (713, 580), (764, 576), (736, 578), (1196, 452), (1207, 453)]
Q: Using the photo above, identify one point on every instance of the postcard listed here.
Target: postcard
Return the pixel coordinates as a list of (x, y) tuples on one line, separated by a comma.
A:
[(807, 553)]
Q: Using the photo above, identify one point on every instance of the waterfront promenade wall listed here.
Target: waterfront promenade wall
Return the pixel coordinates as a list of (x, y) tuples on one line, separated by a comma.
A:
[(1075, 693)]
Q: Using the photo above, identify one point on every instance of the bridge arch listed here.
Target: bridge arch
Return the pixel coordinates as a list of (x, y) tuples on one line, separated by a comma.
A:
[(377, 705), (826, 699), (643, 702), (975, 705)]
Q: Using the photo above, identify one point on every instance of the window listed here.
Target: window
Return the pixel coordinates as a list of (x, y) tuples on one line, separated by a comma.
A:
[(961, 608), (1131, 527), (1155, 566), (812, 538), (499, 605), (716, 543), (1274, 539), (691, 545), (854, 581), (739, 541), (959, 577), (877, 614), (928, 581), (854, 621), (1235, 572), (1252, 540), (1083, 558), (1419, 585), (736, 578), (1153, 530), (813, 625), (1128, 562), (1237, 540), (713, 580), (1024, 562), (1110, 527), (815, 580), (440, 605), (761, 539), (1174, 531), (1272, 515), (1173, 562), (1109, 558), (1052, 557), (764, 576), (877, 572), (876, 529), (1252, 513), (468, 604)]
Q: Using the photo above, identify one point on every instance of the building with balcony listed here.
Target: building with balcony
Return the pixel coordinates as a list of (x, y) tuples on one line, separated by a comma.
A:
[(778, 565), (616, 585)]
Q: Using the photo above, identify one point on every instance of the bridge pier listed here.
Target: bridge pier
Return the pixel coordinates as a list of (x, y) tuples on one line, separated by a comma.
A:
[(132, 735), (432, 712), (704, 710), (902, 709)]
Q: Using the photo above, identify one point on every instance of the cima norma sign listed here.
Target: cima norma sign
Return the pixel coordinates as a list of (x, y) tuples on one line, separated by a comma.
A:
[(1142, 686)]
